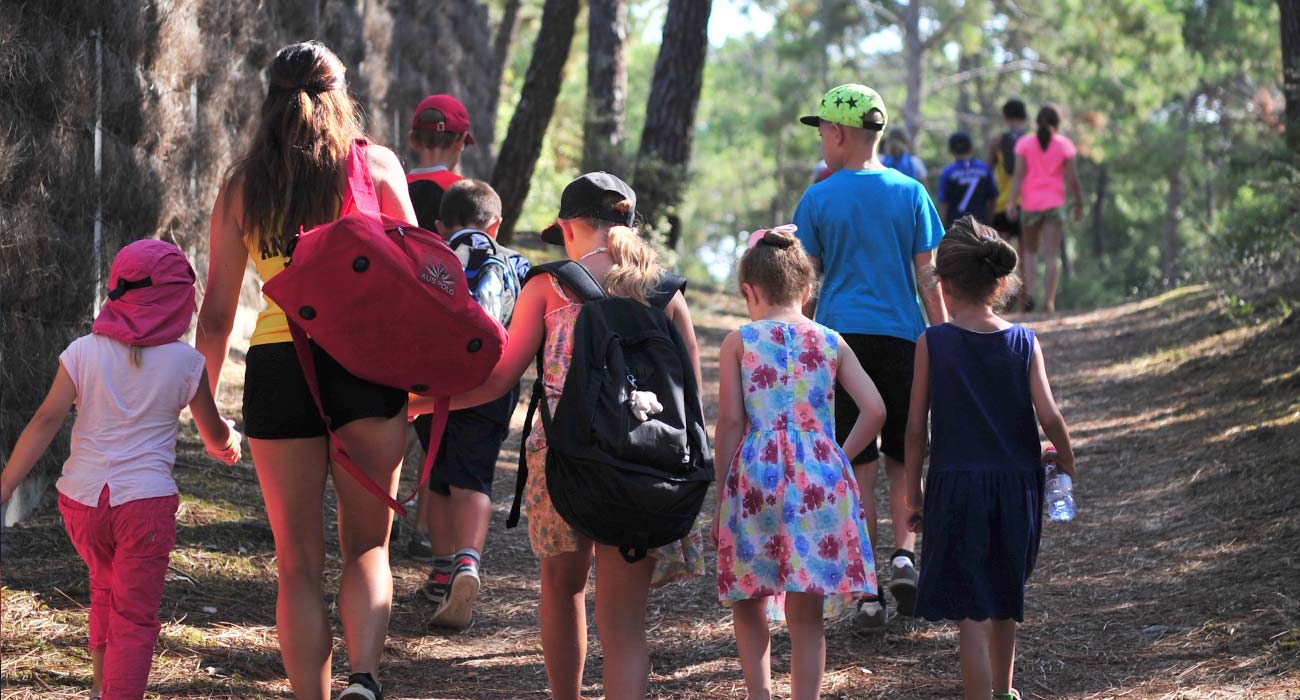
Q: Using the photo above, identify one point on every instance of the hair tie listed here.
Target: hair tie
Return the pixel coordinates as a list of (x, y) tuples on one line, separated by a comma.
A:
[(783, 236)]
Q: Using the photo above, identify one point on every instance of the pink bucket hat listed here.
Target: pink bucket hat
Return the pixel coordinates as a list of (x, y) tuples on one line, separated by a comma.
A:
[(150, 295)]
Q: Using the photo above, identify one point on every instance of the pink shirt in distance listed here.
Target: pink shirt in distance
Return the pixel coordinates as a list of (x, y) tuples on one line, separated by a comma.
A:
[(1044, 185), (124, 435)]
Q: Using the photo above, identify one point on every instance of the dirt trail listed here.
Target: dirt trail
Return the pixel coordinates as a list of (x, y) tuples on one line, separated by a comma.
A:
[(1177, 580)]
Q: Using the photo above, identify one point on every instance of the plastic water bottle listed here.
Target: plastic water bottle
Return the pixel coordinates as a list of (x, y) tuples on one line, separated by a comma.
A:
[(1059, 490)]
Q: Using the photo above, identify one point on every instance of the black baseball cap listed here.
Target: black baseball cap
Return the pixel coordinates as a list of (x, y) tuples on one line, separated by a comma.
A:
[(585, 196)]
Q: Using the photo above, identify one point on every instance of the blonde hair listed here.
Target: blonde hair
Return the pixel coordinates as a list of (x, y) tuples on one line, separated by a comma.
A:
[(636, 268)]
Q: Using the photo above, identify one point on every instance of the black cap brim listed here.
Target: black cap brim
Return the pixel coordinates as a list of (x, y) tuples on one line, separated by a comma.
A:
[(553, 234), (811, 120)]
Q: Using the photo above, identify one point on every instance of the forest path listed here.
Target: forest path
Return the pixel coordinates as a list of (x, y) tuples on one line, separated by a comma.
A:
[(1175, 582)]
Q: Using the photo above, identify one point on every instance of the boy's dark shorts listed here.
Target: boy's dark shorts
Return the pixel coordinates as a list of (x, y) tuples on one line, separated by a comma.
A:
[(889, 363), (278, 404), (467, 456), (1005, 226)]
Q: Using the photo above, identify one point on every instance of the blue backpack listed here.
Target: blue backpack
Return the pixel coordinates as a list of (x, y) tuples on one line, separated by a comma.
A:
[(492, 271)]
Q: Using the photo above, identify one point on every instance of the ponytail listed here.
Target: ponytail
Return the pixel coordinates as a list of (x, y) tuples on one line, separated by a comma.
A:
[(1048, 119), (636, 264)]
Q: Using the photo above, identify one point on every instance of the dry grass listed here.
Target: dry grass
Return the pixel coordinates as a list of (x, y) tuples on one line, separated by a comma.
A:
[(1175, 583)]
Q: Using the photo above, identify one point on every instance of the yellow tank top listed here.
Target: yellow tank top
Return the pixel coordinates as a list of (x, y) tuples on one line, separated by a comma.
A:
[(272, 326)]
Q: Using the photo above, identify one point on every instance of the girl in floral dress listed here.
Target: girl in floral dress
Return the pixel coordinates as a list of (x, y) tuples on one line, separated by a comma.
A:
[(789, 519)]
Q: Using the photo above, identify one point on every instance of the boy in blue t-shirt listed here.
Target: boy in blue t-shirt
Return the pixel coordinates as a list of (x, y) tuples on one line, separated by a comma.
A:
[(966, 186), (872, 231)]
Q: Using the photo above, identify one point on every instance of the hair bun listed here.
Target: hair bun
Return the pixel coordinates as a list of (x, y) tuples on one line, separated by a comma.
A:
[(780, 239), (997, 255)]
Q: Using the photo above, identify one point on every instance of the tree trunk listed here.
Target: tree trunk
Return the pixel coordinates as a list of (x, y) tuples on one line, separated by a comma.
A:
[(602, 127), (661, 165), (1174, 198), (1290, 25), (965, 62), (523, 142), (913, 50), (1098, 211), (501, 47)]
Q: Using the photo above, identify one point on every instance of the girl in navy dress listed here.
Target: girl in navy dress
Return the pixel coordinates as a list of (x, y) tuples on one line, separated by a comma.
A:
[(981, 383)]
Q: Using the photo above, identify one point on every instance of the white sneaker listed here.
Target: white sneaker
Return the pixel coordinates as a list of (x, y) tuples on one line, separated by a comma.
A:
[(871, 615), (902, 585)]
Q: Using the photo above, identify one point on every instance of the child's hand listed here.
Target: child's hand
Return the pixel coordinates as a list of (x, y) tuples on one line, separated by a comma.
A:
[(1013, 212), (229, 453), (713, 529), (1065, 463), (915, 522), (7, 492), (417, 406)]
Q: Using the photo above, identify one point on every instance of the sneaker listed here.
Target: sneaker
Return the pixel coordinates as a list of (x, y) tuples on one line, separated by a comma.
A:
[(362, 686), (457, 608), (872, 614), (438, 583), (418, 547), (902, 582)]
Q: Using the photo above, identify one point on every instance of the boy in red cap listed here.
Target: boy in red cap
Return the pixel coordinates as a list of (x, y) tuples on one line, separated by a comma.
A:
[(439, 132)]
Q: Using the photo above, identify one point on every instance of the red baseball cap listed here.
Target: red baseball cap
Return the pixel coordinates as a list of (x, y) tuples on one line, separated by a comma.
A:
[(442, 113)]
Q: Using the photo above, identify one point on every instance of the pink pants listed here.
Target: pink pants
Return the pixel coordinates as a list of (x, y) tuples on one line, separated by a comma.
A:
[(126, 548)]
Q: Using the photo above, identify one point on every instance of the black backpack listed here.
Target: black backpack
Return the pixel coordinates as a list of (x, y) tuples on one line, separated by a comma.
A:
[(619, 481), (1007, 151), (491, 273)]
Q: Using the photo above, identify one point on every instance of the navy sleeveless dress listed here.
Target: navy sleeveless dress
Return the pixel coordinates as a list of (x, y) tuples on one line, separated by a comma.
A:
[(984, 490)]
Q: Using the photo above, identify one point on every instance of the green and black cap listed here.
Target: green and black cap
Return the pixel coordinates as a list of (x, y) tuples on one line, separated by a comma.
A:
[(852, 105)]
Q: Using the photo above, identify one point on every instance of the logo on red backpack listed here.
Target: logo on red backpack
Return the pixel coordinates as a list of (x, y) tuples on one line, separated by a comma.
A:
[(437, 276)]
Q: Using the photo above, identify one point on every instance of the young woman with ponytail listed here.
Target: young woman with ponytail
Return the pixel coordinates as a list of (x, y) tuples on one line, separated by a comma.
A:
[(595, 228), (1044, 166), (293, 176)]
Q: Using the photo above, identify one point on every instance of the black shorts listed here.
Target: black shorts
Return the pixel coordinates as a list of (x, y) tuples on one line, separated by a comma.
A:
[(889, 363), (1005, 226), (278, 404), (467, 455)]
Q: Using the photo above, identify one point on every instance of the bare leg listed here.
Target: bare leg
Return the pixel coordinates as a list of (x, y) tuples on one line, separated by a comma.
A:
[(442, 528), (973, 649), (1029, 260), (471, 511), (292, 477), (754, 644), (1051, 259), (803, 614), (564, 621), (1002, 654), (621, 592), (903, 537), (366, 588)]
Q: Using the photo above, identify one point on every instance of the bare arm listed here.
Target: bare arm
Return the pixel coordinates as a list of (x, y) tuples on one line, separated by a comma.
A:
[(680, 314), (810, 306), (871, 408), (40, 430), (927, 285), (1017, 180), (227, 259), (915, 437), (527, 329), (1049, 416), (220, 438), (1076, 194), (390, 183)]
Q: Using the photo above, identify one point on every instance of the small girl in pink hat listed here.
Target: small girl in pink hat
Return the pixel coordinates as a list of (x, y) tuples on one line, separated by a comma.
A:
[(129, 379)]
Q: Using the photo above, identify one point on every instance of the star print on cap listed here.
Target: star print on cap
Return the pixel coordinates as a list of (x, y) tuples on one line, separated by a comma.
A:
[(850, 104)]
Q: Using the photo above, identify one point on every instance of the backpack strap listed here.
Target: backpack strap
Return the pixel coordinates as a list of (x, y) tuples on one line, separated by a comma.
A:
[(669, 285), (521, 475), (573, 276), (442, 407), (361, 187)]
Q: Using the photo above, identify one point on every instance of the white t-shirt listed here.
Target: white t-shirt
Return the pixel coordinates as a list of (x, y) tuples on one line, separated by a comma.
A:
[(125, 431)]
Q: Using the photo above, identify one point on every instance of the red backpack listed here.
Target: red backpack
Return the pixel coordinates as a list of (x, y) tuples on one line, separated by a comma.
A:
[(389, 302)]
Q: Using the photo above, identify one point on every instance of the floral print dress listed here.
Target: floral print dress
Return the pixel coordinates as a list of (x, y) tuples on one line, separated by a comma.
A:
[(548, 533), (791, 518)]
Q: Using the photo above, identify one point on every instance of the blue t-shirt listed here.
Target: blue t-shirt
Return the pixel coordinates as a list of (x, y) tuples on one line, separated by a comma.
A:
[(866, 226), (967, 186)]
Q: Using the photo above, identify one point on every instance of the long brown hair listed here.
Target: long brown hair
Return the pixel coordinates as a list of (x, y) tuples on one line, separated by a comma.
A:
[(289, 175)]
